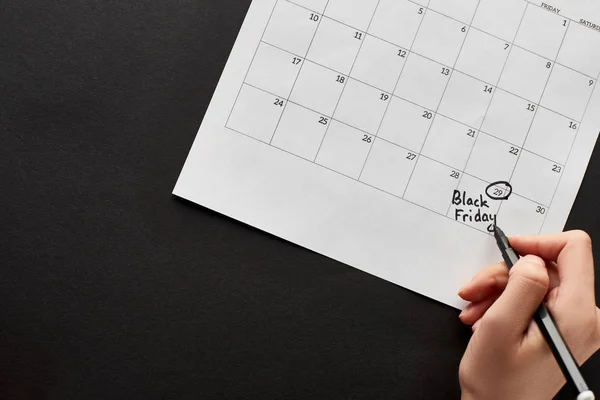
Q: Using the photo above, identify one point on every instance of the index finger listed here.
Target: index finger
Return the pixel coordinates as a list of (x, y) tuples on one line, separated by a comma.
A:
[(572, 252)]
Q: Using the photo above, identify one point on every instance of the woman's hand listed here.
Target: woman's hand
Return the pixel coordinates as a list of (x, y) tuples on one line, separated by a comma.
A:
[(508, 357)]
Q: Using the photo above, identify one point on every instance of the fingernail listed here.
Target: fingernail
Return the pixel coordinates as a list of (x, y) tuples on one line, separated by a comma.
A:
[(466, 310), (465, 287)]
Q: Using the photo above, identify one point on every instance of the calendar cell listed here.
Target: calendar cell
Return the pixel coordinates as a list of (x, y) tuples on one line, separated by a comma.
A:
[(406, 124), (500, 18), (335, 46), (389, 167), (314, 5), (362, 106), (519, 216), (551, 135), (525, 74), (449, 142), (440, 38), (423, 82), (585, 59), (432, 185), (540, 23), (466, 99), (462, 10), (356, 13), (291, 28), (492, 160), (472, 206), (274, 70), (483, 56), (318, 88), (568, 92), (509, 117), (379, 63), (397, 21), (300, 131), (536, 178), (250, 103), (344, 149)]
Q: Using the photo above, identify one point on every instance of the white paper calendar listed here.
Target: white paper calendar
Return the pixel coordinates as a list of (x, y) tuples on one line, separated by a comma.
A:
[(391, 134)]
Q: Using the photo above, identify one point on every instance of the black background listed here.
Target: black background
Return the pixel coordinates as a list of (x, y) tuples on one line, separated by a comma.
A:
[(111, 288)]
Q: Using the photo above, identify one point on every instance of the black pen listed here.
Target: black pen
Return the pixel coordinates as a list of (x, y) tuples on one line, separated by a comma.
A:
[(544, 319)]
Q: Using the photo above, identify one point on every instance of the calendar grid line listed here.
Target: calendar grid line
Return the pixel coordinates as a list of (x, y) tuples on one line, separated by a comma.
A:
[(496, 87), (537, 109), (491, 100), (348, 76), (411, 150), (389, 142), (354, 179), (409, 52), (297, 74), (252, 61), (563, 16), (512, 43), (456, 20), (569, 154), (442, 98), (465, 173), (371, 186)]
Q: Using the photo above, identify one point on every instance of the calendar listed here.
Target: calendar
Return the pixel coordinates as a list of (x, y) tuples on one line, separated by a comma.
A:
[(392, 135)]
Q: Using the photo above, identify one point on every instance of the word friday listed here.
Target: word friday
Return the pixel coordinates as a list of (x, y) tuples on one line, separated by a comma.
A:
[(475, 212)]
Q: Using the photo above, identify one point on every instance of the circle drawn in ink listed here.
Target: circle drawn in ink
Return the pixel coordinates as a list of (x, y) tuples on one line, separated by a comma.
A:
[(500, 190)]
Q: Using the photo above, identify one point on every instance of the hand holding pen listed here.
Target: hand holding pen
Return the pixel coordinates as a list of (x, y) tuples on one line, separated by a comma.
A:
[(508, 356)]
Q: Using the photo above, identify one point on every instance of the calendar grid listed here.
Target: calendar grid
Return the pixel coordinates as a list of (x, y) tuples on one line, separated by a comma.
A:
[(410, 52), (453, 69), (570, 151), (371, 186), (562, 16), (299, 71), (492, 99), (363, 183), (347, 78), (456, 20), (251, 62), (408, 100), (535, 113), (387, 141)]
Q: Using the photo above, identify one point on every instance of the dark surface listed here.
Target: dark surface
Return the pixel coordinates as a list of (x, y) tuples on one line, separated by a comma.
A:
[(110, 288)]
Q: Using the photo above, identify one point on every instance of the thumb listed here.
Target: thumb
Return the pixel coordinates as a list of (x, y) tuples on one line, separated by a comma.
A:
[(509, 317)]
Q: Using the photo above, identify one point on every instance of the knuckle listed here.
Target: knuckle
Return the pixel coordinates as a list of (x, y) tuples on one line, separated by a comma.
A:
[(581, 237), (538, 280), (531, 271), (534, 284)]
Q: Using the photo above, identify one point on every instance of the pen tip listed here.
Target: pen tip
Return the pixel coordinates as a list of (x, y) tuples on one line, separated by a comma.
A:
[(499, 233)]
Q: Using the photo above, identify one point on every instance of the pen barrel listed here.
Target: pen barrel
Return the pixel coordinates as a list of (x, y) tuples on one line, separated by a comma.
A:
[(510, 257), (561, 351)]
